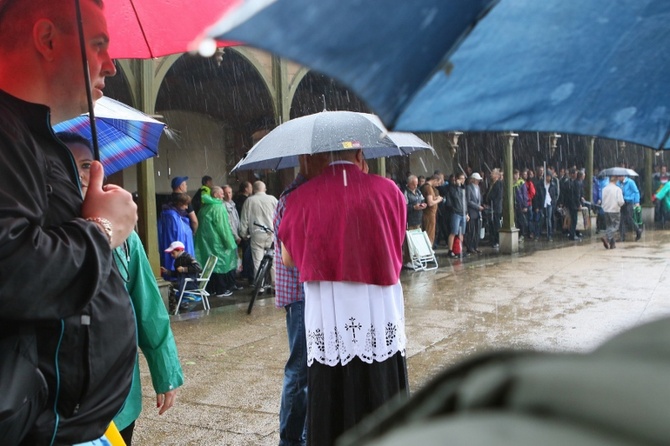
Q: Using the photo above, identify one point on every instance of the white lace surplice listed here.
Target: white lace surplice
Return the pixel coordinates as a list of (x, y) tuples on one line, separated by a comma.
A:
[(344, 320)]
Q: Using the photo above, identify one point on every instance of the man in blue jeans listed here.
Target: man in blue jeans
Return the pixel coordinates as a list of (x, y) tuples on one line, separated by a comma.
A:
[(545, 197), (290, 294)]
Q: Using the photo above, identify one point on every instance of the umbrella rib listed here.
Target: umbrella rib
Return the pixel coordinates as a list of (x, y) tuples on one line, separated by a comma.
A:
[(139, 23)]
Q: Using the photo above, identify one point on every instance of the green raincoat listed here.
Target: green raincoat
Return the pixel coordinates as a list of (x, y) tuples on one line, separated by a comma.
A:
[(215, 236), (664, 195), (154, 335)]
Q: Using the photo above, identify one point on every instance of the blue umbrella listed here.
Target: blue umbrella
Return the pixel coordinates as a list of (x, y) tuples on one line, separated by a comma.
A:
[(328, 131), (384, 50), (593, 67), (126, 136)]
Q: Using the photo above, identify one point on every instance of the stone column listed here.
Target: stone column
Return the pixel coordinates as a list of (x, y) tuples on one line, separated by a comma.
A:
[(648, 208), (588, 179), (509, 234)]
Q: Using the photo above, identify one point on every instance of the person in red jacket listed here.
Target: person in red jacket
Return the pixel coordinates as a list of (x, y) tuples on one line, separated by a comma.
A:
[(528, 177)]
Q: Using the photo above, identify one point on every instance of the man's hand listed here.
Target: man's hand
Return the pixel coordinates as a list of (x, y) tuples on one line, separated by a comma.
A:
[(166, 400), (110, 202)]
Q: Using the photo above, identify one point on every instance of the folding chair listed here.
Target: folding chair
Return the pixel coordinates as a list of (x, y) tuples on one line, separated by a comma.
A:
[(420, 250), (202, 284)]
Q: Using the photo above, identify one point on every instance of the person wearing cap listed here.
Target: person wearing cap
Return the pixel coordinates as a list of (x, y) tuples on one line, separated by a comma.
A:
[(179, 186), (473, 197), (185, 266), (173, 225)]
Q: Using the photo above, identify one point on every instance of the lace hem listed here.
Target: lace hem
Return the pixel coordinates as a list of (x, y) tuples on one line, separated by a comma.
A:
[(345, 320)]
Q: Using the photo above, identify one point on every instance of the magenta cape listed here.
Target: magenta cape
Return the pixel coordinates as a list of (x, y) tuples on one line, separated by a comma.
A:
[(346, 232)]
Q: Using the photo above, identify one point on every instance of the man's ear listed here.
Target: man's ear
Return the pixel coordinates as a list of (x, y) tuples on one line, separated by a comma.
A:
[(43, 38), (359, 157)]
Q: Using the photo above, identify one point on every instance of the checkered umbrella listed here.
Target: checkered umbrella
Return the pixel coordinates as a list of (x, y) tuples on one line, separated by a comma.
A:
[(126, 136)]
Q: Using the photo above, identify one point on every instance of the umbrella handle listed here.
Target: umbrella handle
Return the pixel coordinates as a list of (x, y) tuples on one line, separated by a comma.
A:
[(87, 81)]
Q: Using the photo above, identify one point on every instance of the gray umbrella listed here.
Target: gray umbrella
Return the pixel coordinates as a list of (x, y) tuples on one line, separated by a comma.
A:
[(328, 131), (617, 172)]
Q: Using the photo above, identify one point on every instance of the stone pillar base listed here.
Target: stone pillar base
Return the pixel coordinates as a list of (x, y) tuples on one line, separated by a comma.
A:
[(509, 241), (164, 288), (648, 215)]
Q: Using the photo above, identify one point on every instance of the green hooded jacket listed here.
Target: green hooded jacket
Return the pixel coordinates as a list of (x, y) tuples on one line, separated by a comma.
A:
[(154, 335), (215, 236)]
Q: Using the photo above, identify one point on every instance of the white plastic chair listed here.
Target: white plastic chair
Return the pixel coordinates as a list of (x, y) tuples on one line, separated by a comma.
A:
[(420, 250), (202, 281)]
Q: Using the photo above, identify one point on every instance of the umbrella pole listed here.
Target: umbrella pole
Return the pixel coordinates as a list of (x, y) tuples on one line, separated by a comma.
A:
[(87, 81)]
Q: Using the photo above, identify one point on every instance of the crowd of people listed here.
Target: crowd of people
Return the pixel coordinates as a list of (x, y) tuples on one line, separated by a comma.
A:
[(466, 207), (78, 296), (215, 222)]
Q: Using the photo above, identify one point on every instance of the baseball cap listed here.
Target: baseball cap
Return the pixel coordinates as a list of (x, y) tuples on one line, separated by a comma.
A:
[(176, 181), (175, 245), (476, 176)]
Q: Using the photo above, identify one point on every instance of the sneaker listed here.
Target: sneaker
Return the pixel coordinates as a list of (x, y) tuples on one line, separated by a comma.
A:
[(226, 293), (605, 242)]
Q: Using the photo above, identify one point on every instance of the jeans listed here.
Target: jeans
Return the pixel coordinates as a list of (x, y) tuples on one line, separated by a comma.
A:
[(627, 222), (548, 214), (573, 223), (293, 408)]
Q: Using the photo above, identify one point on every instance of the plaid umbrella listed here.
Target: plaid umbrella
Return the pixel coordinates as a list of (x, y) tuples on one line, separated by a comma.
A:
[(126, 136)]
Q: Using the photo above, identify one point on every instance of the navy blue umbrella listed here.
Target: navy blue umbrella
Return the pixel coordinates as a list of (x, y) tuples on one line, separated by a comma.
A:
[(385, 50), (593, 67)]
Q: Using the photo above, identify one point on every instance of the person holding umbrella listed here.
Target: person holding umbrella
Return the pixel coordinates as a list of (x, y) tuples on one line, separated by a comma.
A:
[(68, 342), (348, 250), (155, 336), (612, 201)]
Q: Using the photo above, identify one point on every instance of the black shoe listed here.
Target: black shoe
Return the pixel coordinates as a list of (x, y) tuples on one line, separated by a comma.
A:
[(605, 243), (638, 234), (451, 255)]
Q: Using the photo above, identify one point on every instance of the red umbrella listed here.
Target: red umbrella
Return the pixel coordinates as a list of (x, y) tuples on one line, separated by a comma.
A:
[(143, 29)]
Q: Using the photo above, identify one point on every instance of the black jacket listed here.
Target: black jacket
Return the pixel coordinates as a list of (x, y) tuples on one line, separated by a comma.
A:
[(456, 199), (541, 195), (57, 277), (494, 197)]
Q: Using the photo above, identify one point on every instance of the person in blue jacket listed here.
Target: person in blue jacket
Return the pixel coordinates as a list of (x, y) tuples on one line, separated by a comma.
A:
[(631, 196)]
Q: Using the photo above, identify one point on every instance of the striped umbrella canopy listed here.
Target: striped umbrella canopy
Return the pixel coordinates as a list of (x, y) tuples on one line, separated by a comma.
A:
[(126, 136)]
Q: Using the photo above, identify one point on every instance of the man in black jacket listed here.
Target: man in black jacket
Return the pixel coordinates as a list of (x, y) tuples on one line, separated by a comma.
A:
[(494, 200), (544, 201), (63, 304)]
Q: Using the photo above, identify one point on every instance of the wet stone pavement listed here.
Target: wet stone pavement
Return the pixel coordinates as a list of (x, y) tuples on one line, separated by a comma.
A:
[(553, 296)]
